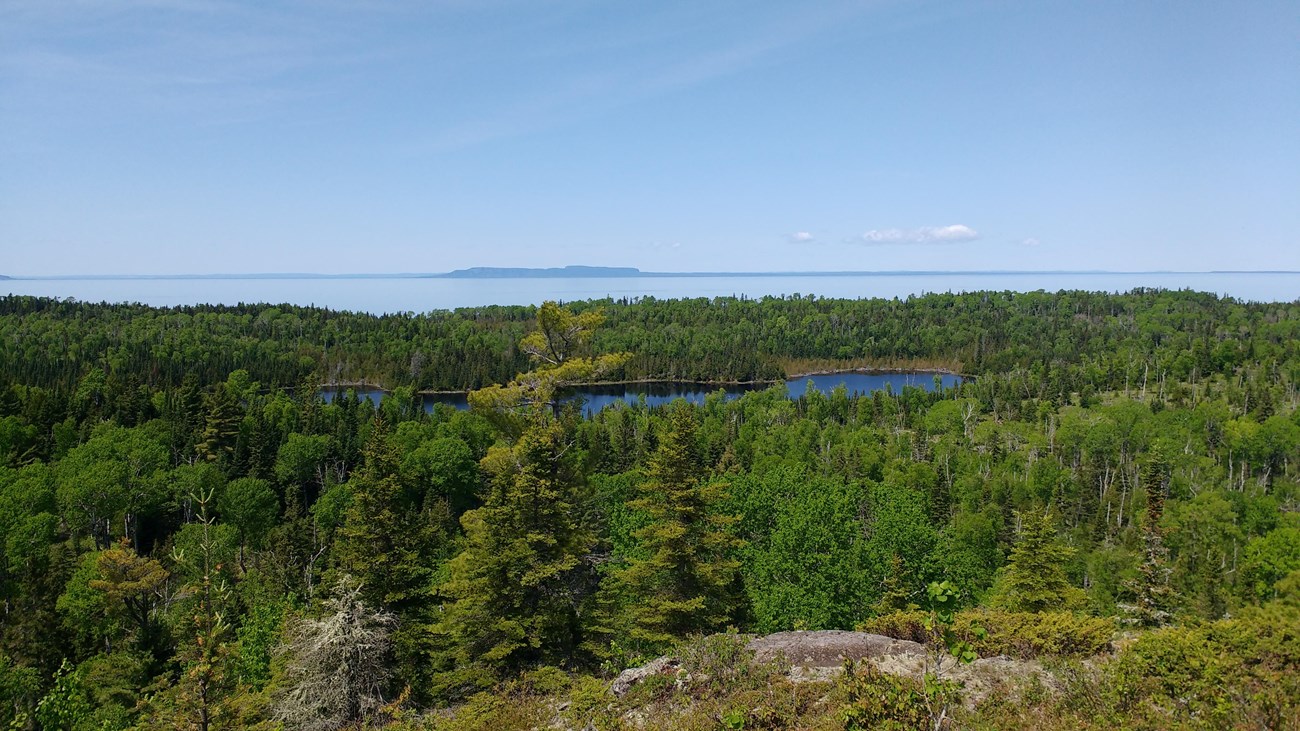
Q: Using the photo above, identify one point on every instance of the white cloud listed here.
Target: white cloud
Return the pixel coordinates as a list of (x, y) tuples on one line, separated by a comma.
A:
[(1031, 241), (801, 237), (923, 235)]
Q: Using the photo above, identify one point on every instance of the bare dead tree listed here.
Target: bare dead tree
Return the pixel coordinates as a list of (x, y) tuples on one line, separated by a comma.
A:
[(336, 666)]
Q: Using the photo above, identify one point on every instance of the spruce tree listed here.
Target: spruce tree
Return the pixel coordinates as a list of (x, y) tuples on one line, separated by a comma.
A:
[(380, 542), (388, 545), (681, 584), (1034, 578), (1153, 596), (517, 590), (221, 429)]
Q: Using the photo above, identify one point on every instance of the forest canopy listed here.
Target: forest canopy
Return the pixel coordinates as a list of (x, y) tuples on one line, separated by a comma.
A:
[(192, 537)]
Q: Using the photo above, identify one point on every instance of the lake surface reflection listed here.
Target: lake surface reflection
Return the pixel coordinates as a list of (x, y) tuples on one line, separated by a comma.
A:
[(596, 398)]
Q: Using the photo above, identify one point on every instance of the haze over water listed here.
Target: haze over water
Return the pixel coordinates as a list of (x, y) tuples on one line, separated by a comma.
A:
[(382, 295)]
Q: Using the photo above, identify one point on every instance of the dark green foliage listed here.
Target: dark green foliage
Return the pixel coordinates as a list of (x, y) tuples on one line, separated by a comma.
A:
[(1158, 430), (1154, 600), (677, 582), (381, 542), (19, 687), (515, 592)]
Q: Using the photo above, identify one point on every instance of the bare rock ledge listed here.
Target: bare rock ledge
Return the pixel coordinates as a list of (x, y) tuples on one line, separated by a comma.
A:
[(820, 655)]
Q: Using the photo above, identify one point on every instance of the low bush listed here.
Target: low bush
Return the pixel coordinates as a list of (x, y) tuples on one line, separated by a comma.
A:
[(1017, 634), (876, 701), (1233, 673)]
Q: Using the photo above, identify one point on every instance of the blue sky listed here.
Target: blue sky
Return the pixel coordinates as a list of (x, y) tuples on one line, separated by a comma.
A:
[(170, 136)]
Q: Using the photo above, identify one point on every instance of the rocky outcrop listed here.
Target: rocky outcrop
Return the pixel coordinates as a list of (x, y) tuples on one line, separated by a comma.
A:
[(829, 648), (804, 655), (820, 655), (633, 676)]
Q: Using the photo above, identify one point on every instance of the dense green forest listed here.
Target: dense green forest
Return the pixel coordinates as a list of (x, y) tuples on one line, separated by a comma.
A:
[(190, 537)]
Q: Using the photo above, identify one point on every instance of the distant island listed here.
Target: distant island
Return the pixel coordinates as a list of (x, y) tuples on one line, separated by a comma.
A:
[(568, 272)]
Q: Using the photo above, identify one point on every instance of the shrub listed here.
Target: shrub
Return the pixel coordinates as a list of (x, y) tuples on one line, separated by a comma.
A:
[(1028, 634), (724, 663), (1243, 672), (879, 701), (1018, 634), (901, 625)]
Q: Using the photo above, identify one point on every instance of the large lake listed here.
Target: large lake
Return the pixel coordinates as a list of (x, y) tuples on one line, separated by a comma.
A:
[(596, 398), (423, 294)]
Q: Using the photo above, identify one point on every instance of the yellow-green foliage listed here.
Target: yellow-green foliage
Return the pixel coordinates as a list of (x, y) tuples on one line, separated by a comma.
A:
[(1018, 634), (526, 702), (876, 701), (1242, 672), (901, 625), (720, 687)]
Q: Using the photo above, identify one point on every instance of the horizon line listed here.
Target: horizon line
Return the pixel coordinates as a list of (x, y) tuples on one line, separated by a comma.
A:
[(557, 273)]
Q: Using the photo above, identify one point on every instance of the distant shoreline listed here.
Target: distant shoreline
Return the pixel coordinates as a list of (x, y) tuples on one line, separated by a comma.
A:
[(340, 385), (619, 273)]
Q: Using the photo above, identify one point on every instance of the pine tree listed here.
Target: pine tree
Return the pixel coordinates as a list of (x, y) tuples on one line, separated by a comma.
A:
[(1034, 578), (680, 587), (134, 586)]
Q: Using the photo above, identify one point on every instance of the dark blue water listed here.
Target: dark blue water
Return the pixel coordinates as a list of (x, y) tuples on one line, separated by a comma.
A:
[(596, 398)]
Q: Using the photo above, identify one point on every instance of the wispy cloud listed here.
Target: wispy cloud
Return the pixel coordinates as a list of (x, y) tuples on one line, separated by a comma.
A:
[(717, 47), (955, 233), (1031, 241), (802, 237)]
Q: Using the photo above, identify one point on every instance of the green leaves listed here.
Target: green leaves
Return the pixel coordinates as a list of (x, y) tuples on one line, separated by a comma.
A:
[(942, 599)]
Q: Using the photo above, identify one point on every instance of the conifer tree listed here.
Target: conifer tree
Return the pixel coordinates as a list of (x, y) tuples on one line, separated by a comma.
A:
[(134, 586), (379, 543), (680, 587), (895, 594), (1154, 597), (387, 544), (1034, 578), (221, 430), (195, 702), (335, 667), (518, 589)]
